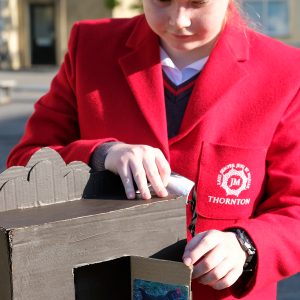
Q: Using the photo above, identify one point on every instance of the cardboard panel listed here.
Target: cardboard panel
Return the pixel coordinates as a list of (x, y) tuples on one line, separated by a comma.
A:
[(45, 180), (5, 279), (53, 249), (159, 279)]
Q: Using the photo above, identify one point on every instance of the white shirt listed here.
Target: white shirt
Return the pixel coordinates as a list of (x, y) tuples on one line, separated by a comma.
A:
[(176, 75)]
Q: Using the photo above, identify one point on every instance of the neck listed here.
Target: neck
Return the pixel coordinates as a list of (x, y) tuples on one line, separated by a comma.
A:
[(183, 58)]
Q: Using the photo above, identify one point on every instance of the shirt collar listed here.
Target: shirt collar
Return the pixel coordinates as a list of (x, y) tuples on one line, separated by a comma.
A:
[(165, 59)]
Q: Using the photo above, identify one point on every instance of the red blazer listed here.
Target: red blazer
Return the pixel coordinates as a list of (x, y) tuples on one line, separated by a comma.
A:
[(239, 138)]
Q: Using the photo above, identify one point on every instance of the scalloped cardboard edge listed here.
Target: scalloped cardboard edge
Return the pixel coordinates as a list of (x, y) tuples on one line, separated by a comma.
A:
[(45, 180)]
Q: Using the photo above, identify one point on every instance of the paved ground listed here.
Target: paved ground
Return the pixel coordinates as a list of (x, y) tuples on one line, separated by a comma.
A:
[(30, 85)]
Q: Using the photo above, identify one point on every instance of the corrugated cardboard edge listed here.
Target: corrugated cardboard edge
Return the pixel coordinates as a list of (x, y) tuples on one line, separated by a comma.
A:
[(45, 180), (158, 270), (5, 267)]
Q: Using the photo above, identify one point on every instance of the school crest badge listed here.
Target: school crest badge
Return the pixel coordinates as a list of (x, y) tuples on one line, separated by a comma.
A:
[(234, 178)]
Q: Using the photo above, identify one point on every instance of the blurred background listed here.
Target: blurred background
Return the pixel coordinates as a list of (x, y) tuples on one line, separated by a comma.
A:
[(35, 32), (33, 41)]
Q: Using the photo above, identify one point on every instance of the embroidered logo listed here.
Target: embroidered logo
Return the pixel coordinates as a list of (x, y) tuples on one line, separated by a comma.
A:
[(234, 178)]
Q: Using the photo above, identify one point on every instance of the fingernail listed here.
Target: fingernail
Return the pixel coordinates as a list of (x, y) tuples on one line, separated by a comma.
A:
[(146, 196), (164, 193), (131, 195), (187, 261)]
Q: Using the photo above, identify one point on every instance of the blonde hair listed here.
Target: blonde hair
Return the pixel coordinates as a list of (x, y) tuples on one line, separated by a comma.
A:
[(236, 5)]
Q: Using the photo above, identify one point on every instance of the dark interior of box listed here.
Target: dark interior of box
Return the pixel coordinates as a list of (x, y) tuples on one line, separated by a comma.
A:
[(110, 280), (103, 281)]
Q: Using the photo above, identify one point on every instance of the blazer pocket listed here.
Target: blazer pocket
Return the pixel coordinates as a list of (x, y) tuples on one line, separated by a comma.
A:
[(230, 181)]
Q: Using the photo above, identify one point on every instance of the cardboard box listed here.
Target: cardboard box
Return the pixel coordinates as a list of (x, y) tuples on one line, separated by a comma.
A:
[(43, 245)]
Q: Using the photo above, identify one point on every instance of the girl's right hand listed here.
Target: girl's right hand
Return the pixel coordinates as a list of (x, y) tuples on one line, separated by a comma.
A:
[(142, 164)]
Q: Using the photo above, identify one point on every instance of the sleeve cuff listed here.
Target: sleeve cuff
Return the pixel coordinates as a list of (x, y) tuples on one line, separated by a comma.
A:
[(98, 157)]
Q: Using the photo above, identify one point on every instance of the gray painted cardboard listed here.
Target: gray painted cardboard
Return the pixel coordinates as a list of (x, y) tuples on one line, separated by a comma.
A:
[(45, 180), (45, 234)]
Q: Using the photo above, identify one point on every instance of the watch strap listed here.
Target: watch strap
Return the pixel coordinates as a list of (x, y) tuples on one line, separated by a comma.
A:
[(248, 246)]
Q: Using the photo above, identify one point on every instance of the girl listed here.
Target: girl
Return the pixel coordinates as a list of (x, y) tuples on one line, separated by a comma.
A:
[(188, 87)]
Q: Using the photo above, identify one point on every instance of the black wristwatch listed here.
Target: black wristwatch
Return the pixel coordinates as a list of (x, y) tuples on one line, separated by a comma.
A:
[(247, 246)]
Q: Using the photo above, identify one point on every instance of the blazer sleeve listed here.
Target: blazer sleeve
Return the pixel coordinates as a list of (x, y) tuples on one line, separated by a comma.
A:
[(275, 228), (54, 122)]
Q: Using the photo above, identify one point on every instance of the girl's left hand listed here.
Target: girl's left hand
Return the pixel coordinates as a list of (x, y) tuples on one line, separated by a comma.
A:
[(217, 257)]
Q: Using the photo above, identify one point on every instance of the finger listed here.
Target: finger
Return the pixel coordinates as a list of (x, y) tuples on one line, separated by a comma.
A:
[(126, 177), (140, 178), (213, 262), (163, 167), (154, 177), (216, 273), (228, 280), (200, 245)]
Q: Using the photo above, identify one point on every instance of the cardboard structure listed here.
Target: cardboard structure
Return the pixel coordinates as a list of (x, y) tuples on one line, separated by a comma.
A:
[(59, 240)]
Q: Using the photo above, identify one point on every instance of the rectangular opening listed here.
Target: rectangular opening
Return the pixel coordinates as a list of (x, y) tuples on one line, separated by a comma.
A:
[(106, 280), (120, 278)]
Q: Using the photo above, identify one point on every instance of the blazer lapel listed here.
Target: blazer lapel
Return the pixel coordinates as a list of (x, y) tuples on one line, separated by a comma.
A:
[(222, 73), (143, 72)]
